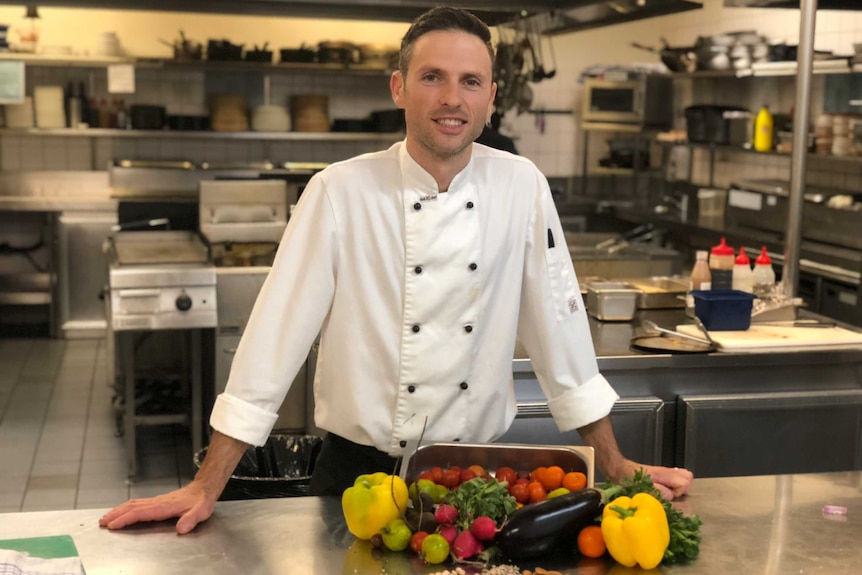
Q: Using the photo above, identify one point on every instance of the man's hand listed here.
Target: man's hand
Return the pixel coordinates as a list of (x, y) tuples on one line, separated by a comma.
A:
[(672, 483), (190, 503), (194, 502)]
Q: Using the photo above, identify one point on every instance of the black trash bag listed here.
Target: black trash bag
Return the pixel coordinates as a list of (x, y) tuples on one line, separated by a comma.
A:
[(281, 468)]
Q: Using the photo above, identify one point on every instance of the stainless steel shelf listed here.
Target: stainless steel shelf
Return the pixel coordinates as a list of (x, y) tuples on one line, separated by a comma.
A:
[(742, 150), (69, 61), (25, 289), (206, 135)]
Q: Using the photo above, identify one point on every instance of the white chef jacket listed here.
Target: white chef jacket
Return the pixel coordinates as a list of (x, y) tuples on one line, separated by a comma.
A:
[(418, 297)]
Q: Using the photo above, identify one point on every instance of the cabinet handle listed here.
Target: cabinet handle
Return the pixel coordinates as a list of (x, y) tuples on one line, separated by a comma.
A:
[(139, 293), (856, 102), (229, 349)]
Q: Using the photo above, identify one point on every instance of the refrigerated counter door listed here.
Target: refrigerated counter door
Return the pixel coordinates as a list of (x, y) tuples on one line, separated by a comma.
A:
[(763, 433)]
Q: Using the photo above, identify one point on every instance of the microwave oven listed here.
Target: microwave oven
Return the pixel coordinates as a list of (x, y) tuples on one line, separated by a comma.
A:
[(645, 101)]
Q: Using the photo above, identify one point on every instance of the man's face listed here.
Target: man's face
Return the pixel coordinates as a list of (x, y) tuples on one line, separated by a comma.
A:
[(447, 95)]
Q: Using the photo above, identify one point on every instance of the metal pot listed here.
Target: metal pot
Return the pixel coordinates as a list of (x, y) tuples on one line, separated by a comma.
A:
[(682, 59), (338, 53)]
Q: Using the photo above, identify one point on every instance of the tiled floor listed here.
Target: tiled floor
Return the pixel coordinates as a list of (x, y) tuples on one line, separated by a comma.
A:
[(59, 447)]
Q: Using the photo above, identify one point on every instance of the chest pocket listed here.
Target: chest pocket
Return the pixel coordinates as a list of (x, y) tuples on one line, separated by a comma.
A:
[(564, 291)]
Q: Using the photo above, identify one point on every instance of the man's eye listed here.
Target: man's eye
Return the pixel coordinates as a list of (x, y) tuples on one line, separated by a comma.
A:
[(474, 83), (429, 77)]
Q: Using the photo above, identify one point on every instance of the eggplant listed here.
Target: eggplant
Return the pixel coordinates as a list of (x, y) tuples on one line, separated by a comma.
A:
[(535, 529)]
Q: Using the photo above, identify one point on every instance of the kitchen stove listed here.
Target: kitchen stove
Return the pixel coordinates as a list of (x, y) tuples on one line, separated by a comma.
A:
[(158, 280)]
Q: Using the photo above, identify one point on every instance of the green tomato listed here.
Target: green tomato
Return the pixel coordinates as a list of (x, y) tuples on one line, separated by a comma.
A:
[(435, 549), (396, 535), (422, 486), (440, 493)]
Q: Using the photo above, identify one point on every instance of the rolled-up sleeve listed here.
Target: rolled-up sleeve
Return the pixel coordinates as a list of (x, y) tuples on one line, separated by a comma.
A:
[(553, 325), (287, 317)]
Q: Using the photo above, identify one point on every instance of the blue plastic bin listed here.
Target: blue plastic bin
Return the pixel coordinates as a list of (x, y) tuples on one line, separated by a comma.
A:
[(723, 310)]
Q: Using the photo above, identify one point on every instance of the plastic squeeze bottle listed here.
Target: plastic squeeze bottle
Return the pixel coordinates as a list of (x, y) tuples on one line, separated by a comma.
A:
[(763, 129), (764, 275), (743, 277), (701, 279), (721, 265)]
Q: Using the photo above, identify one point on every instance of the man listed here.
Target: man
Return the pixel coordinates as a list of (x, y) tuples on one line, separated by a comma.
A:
[(418, 266)]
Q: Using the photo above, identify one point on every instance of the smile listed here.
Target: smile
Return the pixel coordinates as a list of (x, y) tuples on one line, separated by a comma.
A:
[(450, 122)]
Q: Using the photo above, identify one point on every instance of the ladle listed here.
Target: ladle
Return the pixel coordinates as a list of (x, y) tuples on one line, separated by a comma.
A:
[(653, 327)]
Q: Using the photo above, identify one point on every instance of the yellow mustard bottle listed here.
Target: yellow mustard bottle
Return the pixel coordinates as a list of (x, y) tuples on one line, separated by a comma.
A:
[(763, 128)]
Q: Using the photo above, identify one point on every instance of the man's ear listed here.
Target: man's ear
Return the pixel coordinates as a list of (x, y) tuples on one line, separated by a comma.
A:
[(493, 98), (396, 86)]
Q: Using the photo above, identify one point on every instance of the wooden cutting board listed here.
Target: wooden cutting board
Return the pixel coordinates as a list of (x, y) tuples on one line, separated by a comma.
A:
[(775, 338)]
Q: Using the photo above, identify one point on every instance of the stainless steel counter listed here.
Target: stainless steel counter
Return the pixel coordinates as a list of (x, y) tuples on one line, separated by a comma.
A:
[(751, 525)]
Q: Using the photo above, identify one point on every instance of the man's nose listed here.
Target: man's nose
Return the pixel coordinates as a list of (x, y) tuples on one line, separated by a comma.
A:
[(451, 95)]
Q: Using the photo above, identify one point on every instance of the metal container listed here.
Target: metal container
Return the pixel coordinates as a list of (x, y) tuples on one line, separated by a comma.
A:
[(659, 292), (612, 301), (520, 457)]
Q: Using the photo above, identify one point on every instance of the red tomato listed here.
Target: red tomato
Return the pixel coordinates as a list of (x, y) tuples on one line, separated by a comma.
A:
[(467, 475), (451, 478), (506, 474), (425, 475), (436, 474), (520, 492)]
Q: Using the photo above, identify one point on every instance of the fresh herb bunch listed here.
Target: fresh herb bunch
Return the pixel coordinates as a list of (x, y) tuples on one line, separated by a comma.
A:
[(477, 497), (684, 530)]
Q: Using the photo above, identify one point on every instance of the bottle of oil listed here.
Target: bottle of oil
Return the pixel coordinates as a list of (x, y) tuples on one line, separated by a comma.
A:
[(763, 130)]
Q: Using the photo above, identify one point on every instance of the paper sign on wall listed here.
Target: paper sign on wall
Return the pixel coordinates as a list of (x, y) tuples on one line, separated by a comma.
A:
[(11, 82), (121, 79)]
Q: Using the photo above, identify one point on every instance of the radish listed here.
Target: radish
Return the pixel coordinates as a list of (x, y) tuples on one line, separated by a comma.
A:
[(483, 528), (466, 545), (446, 514), (449, 533)]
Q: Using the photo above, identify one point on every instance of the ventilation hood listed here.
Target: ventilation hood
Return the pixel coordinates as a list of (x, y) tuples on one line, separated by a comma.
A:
[(559, 15), (821, 4)]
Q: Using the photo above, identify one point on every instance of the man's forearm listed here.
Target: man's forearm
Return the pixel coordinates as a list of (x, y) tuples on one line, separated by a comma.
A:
[(223, 455), (600, 436)]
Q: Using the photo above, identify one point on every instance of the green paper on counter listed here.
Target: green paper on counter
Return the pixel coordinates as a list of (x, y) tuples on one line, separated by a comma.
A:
[(54, 547)]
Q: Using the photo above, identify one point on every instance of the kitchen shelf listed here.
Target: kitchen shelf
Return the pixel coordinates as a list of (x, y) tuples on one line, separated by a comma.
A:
[(768, 69), (601, 170), (69, 61), (742, 150), (205, 135)]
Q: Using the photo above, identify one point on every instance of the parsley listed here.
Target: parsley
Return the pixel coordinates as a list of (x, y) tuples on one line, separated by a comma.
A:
[(477, 497), (684, 530)]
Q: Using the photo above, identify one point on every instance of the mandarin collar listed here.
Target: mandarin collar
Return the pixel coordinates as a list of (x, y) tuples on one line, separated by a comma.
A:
[(417, 177)]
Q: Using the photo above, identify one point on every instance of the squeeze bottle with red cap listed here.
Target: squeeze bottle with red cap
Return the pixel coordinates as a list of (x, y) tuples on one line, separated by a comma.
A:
[(721, 265), (743, 278), (764, 275)]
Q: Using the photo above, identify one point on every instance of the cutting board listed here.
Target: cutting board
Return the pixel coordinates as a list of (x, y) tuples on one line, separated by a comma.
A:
[(775, 338)]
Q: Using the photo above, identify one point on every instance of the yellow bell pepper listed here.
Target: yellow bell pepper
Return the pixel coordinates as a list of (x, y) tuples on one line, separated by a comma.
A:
[(635, 530), (373, 501)]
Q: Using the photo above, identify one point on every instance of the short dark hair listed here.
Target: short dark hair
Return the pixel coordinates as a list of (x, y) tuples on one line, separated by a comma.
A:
[(443, 18)]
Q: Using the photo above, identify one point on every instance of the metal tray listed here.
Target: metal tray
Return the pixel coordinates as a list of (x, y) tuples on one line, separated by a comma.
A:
[(612, 301), (492, 456), (659, 292)]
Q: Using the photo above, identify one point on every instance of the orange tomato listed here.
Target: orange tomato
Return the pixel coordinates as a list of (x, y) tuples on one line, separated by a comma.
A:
[(590, 542), (574, 481), (552, 478), (537, 492), (536, 474)]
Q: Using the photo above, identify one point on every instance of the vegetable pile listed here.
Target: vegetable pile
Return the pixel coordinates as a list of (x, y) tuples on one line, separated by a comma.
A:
[(469, 516)]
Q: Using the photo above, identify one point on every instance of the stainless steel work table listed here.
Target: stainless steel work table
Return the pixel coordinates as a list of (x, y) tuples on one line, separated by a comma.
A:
[(751, 525)]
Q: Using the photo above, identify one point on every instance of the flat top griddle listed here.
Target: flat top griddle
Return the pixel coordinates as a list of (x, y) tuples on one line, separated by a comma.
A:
[(143, 248)]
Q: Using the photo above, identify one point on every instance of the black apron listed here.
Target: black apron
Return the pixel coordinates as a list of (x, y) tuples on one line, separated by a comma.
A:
[(341, 461)]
